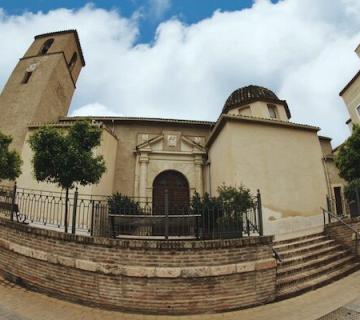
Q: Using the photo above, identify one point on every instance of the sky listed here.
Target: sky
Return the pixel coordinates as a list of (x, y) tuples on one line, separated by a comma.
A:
[(183, 58)]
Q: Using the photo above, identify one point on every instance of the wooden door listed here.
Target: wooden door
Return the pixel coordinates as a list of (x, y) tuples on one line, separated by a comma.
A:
[(178, 193), (338, 201)]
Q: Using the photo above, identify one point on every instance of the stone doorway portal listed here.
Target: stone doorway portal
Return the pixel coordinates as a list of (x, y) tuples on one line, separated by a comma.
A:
[(172, 187)]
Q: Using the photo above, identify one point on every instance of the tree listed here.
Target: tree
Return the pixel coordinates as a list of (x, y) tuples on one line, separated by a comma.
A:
[(348, 157), (10, 161), (348, 162), (223, 213), (66, 157)]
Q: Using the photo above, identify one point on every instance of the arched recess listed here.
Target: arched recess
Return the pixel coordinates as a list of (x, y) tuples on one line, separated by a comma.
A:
[(171, 190)]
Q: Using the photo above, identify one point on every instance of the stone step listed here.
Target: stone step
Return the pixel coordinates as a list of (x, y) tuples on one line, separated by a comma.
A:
[(300, 243), (291, 280), (285, 270), (305, 249), (314, 283), (313, 254), (288, 241)]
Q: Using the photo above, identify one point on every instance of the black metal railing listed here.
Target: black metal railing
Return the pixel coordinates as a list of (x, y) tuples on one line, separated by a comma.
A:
[(329, 216), (124, 217)]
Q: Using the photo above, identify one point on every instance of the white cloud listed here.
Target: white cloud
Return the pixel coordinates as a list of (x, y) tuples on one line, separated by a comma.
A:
[(301, 49), (157, 8), (94, 109)]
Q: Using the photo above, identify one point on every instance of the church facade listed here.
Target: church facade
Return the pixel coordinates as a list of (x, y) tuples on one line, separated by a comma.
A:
[(253, 142)]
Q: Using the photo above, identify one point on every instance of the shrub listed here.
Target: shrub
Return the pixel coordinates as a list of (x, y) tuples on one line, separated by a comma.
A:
[(121, 204)]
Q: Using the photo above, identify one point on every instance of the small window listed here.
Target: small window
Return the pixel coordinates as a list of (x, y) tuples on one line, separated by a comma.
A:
[(272, 111), (46, 46), (245, 111), (26, 77), (72, 61), (358, 110)]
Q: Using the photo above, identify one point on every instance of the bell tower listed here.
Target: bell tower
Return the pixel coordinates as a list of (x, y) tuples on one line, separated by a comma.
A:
[(42, 84)]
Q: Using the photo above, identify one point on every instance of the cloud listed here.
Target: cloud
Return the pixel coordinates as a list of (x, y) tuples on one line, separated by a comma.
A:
[(301, 49), (157, 8), (94, 109)]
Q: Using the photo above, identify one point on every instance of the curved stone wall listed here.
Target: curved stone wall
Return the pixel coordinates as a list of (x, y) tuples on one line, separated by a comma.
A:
[(162, 277)]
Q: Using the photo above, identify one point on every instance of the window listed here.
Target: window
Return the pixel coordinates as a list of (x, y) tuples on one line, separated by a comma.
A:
[(26, 77), (358, 110), (245, 111), (72, 61), (46, 46), (272, 111)]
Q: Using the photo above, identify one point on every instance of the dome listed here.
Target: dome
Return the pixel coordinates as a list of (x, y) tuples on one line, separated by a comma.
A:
[(250, 94)]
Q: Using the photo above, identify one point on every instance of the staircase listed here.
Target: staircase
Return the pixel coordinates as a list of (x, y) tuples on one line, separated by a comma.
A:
[(309, 262)]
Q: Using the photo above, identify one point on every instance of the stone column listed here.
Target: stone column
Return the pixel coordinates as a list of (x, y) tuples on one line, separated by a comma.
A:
[(144, 161), (199, 174)]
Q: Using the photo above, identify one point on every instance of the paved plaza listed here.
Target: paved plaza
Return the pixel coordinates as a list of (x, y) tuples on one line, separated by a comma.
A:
[(337, 301)]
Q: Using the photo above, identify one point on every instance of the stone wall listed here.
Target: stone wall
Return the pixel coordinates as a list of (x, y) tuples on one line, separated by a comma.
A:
[(344, 235), (162, 277)]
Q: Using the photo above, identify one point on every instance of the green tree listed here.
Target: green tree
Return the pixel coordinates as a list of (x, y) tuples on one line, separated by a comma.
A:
[(66, 157), (348, 157), (347, 161), (235, 199), (10, 161), (224, 212)]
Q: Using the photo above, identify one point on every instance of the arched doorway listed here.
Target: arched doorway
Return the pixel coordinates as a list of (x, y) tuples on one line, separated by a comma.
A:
[(172, 187)]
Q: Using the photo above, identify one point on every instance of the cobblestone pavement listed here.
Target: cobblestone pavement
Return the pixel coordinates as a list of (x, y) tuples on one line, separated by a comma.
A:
[(337, 301), (349, 312)]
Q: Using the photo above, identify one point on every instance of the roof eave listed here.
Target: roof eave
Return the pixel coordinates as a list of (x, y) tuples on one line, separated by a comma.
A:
[(224, 118), (357, 75)]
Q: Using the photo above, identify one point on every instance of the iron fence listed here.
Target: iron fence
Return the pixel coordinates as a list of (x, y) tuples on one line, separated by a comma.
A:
[(128, 217)]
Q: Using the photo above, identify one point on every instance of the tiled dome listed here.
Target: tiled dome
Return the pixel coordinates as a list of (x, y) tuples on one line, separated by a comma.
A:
[(250, 94)]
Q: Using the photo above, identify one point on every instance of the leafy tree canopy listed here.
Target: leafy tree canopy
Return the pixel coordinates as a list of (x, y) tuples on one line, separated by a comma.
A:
[(66, 157), (237, 199), (10, 161), (348, 157)]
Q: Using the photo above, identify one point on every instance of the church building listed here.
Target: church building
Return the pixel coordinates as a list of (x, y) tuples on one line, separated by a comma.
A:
[(252, 143)]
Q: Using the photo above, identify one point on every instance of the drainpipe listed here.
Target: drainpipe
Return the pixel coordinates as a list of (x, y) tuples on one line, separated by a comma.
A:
[(208, 163), (327, 178)]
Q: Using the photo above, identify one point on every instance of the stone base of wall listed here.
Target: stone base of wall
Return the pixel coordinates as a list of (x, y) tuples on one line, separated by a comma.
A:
[(345, 235), (161, 277)]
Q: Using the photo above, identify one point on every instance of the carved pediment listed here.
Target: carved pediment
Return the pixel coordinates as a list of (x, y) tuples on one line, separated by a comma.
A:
[(169, 141)]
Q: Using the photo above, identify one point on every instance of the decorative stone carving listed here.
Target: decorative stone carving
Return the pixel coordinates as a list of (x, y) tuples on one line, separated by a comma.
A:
[(198, 140), (172, 140)]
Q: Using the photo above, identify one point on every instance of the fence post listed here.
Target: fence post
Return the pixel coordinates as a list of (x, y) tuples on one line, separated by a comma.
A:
[(13, 198), (166, 213), (259, 207), (197, 233), (357, 201), (356, 244), (73, 226), (92, 218)]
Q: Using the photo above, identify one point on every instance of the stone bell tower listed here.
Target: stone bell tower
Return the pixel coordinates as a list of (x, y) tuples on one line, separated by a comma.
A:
[(42, 84)]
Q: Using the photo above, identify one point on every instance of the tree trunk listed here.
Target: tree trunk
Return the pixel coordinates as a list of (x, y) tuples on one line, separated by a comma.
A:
[(66, 210)]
